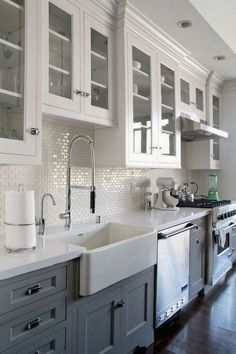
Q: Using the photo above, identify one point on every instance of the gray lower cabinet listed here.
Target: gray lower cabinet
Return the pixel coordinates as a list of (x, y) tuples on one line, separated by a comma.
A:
[(118, 319), (197, 258), (35, 312)]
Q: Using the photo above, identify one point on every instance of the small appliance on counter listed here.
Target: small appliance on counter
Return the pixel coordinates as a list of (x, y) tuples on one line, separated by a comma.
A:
[(212, 187), (143, 185), (20, 230), (165, 201)]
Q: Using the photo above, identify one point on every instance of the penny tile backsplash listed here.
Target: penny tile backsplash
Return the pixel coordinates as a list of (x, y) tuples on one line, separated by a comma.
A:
[(113, 184)]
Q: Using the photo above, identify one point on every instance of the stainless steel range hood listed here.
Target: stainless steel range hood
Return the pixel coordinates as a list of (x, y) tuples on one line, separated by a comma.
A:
[(192, 130)]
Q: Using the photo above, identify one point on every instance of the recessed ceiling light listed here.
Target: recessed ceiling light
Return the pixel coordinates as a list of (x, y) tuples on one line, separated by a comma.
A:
[(184, 24), (219, 57)]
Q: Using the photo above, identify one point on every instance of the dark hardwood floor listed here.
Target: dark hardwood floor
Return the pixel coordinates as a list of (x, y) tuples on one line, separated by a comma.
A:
[(206, 326)]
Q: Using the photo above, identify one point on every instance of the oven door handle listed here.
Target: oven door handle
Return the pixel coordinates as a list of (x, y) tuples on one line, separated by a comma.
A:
[(189, 226), (232, 224)]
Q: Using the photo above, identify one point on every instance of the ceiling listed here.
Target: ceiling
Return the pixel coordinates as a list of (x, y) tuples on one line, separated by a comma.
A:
[(213, 31)]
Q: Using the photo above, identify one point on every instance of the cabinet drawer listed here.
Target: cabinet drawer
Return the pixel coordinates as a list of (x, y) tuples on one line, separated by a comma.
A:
[(31, 320), (48, 344), (34, 288)]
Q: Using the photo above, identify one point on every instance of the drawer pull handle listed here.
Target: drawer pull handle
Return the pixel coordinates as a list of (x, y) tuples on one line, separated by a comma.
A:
[(38, 352), (33, 324), (34, 289), (119, 304)]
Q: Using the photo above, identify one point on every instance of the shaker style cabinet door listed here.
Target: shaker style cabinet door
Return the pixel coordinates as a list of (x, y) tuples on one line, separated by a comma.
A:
[(142, 102), (98, 73), (98, 321), (19, 106), (61, 58)]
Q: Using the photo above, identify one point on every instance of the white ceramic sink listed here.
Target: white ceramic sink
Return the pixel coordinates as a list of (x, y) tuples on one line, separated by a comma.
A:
[(112, 252)]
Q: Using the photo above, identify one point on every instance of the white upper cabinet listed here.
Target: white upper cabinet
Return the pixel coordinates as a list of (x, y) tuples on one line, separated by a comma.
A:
[(192, 97), (207, 154), (77, 63), (147, 132), (142, 102), (168, 112), (19, 104)]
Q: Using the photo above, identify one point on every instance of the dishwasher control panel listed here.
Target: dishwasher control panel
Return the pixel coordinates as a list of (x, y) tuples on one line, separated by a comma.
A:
[(171, 310)]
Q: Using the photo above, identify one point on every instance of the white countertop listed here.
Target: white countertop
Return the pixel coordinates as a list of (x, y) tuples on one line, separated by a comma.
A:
[(47, 253), (160, 219), (50, 252)]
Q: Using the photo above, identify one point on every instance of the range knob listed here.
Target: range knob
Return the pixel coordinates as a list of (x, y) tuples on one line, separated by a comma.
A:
[(221, 217)]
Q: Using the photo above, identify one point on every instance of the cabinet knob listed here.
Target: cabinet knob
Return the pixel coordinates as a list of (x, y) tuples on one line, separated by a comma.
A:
[(81, 93), (198, 241), (33, 131), (119, 304)]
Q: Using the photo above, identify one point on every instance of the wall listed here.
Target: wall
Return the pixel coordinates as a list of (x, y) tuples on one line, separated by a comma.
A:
[(227, 177), (113, 185)]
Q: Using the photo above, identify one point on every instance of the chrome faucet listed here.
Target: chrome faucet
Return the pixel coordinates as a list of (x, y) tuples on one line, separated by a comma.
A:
[(41, 221), (67, 215)]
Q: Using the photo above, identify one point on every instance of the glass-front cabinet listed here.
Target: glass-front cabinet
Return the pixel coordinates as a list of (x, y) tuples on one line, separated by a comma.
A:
[(192, 98), (143, 137), (169, 112), (19, 116), (60, 60), (77, 63), (99, 68), (154, 137)]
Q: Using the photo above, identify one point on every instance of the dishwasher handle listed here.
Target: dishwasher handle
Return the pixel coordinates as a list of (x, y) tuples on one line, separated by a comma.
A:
[(189, 226)]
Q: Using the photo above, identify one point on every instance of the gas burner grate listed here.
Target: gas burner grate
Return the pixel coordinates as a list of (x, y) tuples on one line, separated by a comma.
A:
[(203, 203)]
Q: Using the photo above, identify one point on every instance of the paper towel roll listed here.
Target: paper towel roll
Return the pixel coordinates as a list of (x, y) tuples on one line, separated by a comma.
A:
[(17, 237), (19, 207)]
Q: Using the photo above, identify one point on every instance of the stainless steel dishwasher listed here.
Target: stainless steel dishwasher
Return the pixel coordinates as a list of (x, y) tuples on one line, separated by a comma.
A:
[(172, 271)]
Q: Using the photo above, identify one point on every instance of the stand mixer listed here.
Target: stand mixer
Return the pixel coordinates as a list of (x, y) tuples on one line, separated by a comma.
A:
[(165, 201)]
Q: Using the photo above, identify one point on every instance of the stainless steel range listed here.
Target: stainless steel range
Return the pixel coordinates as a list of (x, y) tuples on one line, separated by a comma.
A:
[(221, 240)]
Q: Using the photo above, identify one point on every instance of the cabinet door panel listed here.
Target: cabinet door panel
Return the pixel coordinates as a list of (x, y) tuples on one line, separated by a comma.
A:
[(18, 94), (169, 130), (99, 324), (61, 64), (142, 104), (98, 68), (137, 313)]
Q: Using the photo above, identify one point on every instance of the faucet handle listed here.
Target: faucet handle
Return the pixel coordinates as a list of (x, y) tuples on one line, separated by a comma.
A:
[(64, 216)]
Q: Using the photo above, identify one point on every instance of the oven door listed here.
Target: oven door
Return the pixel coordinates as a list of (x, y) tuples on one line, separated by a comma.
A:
[(222, 251)]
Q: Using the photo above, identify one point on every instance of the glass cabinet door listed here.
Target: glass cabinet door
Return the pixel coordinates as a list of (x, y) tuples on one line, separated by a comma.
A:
[(168, 114), (60, 52), (19, 108), (142, 122), (185, 95), (216, 124), (199, 102), (98, 68), (12, 58), (61, 62)]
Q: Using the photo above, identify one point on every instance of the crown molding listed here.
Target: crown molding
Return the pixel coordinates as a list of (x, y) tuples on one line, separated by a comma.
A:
[(132, 18)]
